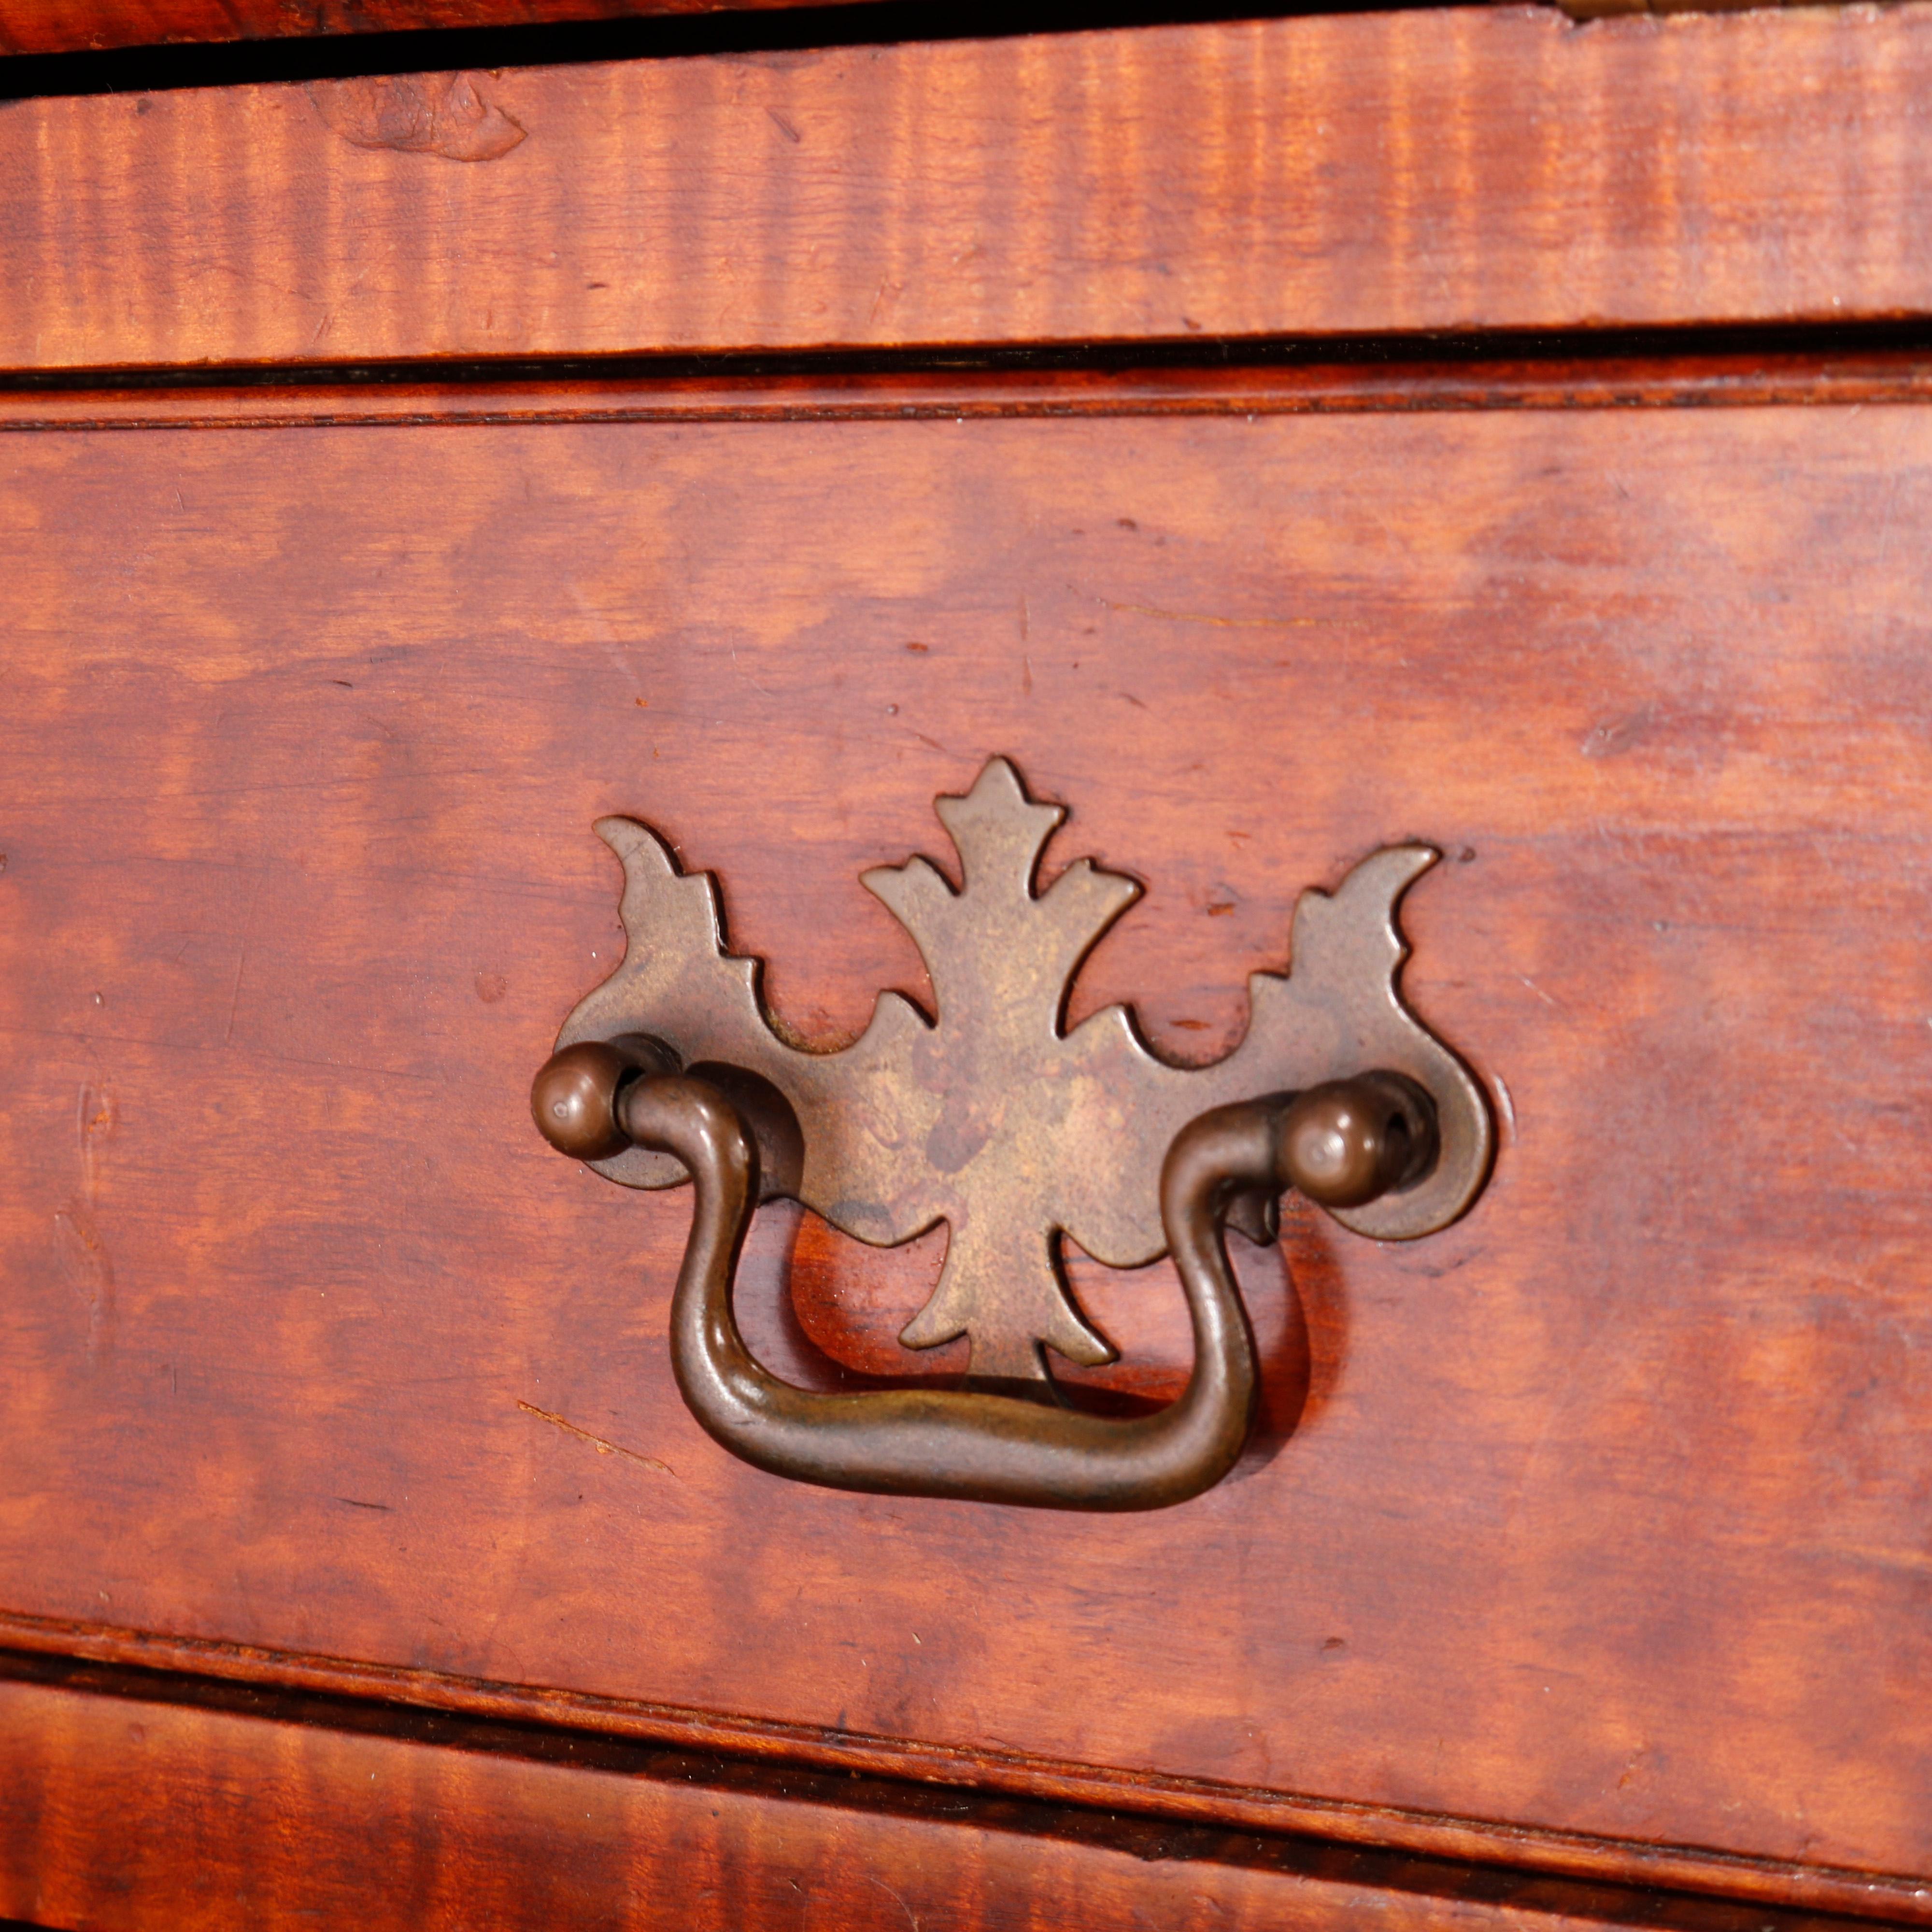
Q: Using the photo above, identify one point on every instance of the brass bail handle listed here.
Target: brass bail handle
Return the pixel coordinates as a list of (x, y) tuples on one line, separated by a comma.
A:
[(1343, 1144)]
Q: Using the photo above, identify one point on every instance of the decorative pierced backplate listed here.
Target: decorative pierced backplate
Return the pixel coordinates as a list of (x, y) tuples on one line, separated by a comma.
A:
[(990, 1118)]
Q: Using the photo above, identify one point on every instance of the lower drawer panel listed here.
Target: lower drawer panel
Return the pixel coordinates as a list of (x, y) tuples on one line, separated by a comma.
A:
[(1605, 1512), (212, 1808)]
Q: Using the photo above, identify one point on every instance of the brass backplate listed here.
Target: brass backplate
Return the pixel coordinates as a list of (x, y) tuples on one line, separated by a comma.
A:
[(990, 1117)]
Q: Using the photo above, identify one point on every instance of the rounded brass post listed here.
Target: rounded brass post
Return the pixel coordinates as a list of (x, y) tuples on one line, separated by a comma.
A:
[(1351, 1141), (574, 1098)]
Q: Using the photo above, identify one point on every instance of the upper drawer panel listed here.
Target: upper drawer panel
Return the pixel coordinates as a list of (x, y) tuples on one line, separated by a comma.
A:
[(1480, 168), (1606, 1511)]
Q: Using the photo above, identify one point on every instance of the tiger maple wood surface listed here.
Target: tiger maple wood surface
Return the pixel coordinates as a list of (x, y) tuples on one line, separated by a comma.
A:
[(1454, 169), (1605, 1509), (135, 1814)]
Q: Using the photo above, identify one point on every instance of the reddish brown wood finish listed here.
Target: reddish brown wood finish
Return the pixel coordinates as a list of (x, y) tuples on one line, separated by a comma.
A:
[(1604, 1514), (384, 1697), (1482, 167), (64, 26), (140, 1813)]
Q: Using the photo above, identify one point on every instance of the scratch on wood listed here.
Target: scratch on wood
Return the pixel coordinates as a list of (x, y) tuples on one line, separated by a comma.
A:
[(84, 1257), (912, 1917), (94, 1117), (83, 1254), (596, 1442), (242, 963)]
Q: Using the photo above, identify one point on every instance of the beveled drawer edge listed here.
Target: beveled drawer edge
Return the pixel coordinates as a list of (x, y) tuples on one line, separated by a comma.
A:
[(120, 1761), (1893, 1897), (1344, 385)]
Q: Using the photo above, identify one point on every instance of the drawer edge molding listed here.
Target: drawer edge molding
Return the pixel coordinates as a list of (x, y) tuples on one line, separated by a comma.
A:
[(1358, 378), (1900, 1898), (558, 1828)]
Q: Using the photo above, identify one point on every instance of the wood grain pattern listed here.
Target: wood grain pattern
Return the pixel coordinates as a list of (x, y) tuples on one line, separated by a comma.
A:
[(171, 1667), (1604, 1514), (1475, 168), (485, 1826), (64, 26)]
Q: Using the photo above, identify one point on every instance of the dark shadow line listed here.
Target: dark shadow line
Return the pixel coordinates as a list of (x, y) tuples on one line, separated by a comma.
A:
[(1897, 336), (748, 31)]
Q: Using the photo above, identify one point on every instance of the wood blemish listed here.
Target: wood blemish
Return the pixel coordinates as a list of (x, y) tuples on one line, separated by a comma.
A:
[(82, 1253), (444, 114), (1608, 740), (86, 1262)]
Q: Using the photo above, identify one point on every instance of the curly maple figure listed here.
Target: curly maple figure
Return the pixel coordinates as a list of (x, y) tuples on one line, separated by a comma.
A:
[(990, 1118)]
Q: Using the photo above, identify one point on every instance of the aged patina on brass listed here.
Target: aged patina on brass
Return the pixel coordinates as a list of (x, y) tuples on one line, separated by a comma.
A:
[(974, 1444), (991, 1118)]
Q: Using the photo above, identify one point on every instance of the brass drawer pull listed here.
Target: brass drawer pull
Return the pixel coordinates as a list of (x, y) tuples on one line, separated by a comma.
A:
[(1351, 1141), (1013, 1131)]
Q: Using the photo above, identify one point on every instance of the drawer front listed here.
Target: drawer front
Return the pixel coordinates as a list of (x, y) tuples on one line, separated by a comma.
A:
[(1603, 1512), (1421, 169)]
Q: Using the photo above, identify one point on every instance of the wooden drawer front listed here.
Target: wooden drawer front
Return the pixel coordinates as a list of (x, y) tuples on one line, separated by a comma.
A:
[(1606, 1511), (1419, 168)]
